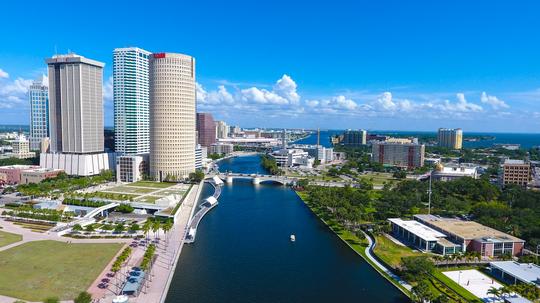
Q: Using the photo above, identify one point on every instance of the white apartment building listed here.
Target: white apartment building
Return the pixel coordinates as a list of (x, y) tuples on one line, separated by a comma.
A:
[(172, 116), (131, 101), (222, 130), (38, 95), (292, 157)]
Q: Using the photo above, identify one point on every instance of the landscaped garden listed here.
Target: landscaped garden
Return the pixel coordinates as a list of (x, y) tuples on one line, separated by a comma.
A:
[(151, 184), (8, 238), (37, 270), (391, 253)]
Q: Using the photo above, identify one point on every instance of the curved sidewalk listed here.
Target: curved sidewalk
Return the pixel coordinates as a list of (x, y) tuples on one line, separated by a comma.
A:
[(369, 254)]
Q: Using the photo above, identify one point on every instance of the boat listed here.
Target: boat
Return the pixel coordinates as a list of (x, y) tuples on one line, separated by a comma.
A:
[(293, 238)]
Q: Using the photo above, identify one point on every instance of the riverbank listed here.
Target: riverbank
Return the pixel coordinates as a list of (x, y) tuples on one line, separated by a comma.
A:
[(362, 247)]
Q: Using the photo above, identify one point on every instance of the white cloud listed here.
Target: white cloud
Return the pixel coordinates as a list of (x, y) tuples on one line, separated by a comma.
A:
[(462, 105), (286, 88), (493, 101), (108, 91), (3, 74)]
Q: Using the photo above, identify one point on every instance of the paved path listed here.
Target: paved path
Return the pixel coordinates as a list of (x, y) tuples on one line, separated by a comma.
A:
[(369, 254)]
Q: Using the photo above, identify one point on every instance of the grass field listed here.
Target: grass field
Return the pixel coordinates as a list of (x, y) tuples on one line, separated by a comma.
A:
[(36, 270), (391, 253), (8, 238), (151, 184), (130, 190), (148, 199), (114, 196), (379, 179)]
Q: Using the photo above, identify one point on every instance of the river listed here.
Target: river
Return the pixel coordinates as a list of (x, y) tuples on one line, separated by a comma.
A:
[(243, 252)]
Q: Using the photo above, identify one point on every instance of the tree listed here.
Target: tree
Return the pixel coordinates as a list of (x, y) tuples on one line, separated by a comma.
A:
[(422, 293), (119, 228), (134, 227), (147, 226), (83, 297), (196, 176), (416, 268), (399, 174), (495, 292), (156, 225), (90, 228), (77, 227)]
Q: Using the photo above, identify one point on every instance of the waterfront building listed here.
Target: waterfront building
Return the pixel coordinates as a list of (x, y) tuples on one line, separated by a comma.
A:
[(422, 237), (450, 138), (292, 157), (405, 155), (513, 272), (473, 236), (131, 168), (76, 104), (131, 101), (353, 138), (38, 95), (206, 129), (454, 171), (221, 148), (252, 142), (254, 133), (516, 172), (172, 116), (222, 130), (21, 147)]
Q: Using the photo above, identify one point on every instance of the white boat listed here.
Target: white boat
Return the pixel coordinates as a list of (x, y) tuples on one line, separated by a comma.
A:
[(293, 238)]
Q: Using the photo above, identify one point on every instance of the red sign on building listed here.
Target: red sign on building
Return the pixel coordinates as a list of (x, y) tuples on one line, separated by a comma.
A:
[(159, 55)]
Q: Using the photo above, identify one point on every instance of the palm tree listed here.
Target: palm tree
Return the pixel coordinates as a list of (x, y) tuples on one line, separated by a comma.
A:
[(147, 226), (156, 225), (495, 292)]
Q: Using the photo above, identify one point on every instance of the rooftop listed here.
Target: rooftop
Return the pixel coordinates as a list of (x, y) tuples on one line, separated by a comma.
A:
[(467, 230), (514, 162), (526, 272), (419, 229)]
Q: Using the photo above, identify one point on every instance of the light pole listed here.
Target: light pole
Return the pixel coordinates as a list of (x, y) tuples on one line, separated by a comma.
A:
[(459, 278)]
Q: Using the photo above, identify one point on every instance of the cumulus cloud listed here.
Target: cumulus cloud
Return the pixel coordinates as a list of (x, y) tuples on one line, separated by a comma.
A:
[(462, 105), (493, 101), (13, 92), (3, 74)]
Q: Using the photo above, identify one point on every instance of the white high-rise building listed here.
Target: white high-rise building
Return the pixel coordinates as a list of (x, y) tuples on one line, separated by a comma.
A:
[(38, 95), (172, 116), (450, 137), (76, 104), (222, 130), (131, 101)]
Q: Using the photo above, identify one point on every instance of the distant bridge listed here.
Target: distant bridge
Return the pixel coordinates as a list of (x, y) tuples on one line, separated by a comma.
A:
[(257, 178)]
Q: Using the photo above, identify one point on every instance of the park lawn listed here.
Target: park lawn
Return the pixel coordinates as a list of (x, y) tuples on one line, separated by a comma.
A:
[(8, 238), (130, 190), (379, 179), (37, 270), (115, 196), (148, 199), (151, 184), (391, 253)]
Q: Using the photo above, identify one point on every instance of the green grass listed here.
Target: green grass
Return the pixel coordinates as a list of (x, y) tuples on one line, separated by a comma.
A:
[(357, 244), (130, 190), (379, 178), (8, 238), (148, 199), (114, 196), (151, 184), (36, 270), (391, 253), (34, 226)]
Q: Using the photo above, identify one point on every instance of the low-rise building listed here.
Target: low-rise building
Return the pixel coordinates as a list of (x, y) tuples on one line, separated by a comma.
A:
[(37, 175), (473, 236), (455, 171), (221, 148), (513, 272), (516, 172), (131, 168), (79, 164), (292, 157), (11, 174)]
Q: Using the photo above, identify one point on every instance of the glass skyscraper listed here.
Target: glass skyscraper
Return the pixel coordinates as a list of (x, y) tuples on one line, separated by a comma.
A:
[(38, 95), (131, 101)]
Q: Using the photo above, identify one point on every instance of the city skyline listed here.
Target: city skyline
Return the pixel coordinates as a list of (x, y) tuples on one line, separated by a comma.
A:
[(411, 71)]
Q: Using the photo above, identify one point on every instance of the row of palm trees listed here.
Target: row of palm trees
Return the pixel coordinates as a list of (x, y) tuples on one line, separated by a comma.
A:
[(529, 291), (155, 226), (458, 258)]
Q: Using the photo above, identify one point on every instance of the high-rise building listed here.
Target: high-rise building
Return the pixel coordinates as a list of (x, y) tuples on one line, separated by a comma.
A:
[(131, 101), (406, 155), (354, 137), (76, 117), (172, 116), (222, 130), (21, 147), (450, 137), (38, 95), (76, 104), (206, 129)]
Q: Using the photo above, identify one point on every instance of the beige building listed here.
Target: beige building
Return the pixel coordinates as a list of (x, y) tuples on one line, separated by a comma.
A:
[(405, 155), (21, 148), (38, 174), (222, 130), (516, 172), (172, 116), (449, 137)]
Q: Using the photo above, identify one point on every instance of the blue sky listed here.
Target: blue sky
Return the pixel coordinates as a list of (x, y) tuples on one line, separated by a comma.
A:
[(408, 65)]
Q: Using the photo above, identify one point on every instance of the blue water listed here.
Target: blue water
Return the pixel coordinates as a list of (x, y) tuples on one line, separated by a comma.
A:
[(243, 252), (525, 140)]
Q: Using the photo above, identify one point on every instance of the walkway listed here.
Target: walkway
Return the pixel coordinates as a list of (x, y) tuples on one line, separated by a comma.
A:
[(369, 254), (205, 207)]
